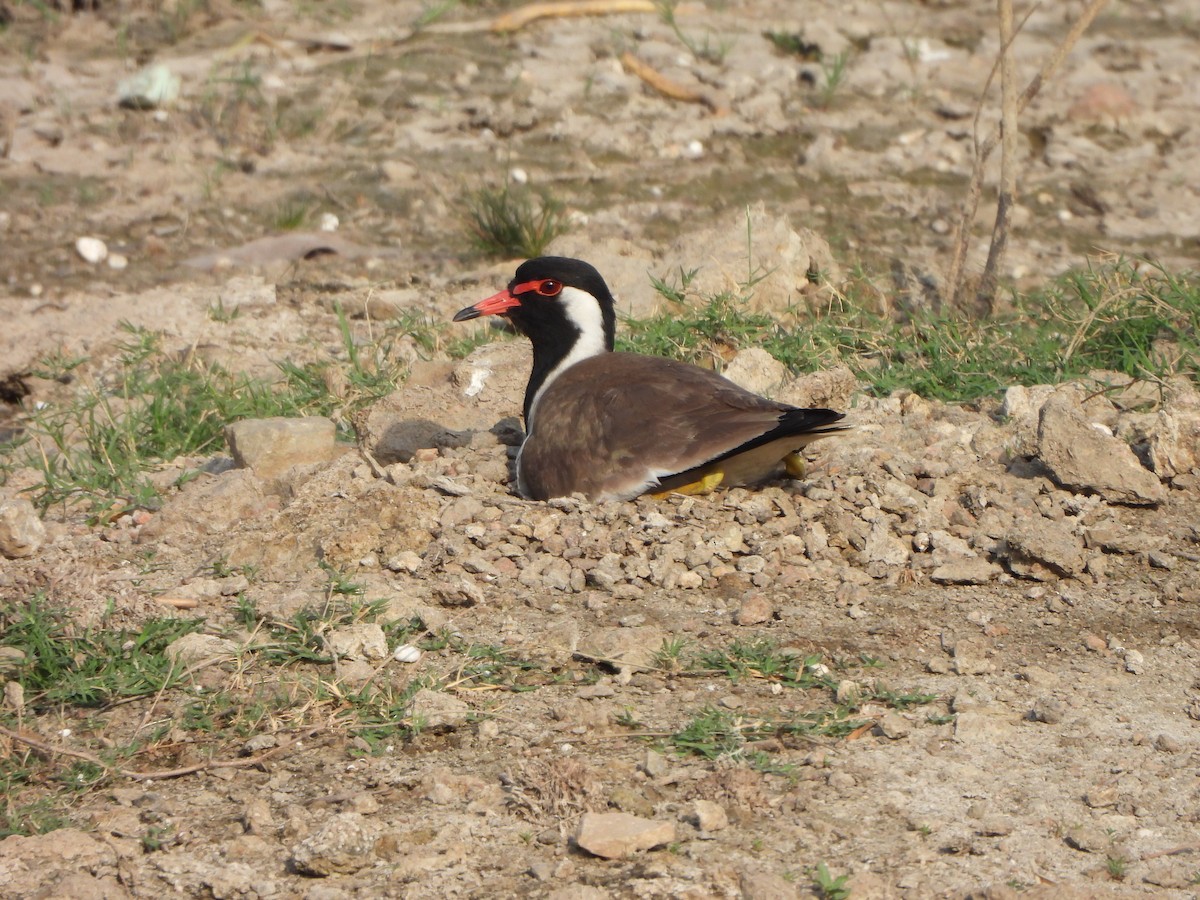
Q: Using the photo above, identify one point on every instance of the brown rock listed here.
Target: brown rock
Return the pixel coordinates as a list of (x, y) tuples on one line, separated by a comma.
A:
[(1081, 457), (269, 447), (709, 816), (1041, 548), (784, 255), (970, 570), (755, 610), (21, 531), (343, 844), (1104, 102), (617, 835), (759, 885)]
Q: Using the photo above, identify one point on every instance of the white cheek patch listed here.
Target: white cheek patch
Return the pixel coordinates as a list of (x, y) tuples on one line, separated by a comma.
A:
[(583, 310)]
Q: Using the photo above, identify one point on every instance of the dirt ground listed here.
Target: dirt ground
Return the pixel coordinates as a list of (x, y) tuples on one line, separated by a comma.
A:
[(1051, 630)]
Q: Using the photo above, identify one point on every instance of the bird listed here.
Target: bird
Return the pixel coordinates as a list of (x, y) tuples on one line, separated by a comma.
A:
[(613, 425)]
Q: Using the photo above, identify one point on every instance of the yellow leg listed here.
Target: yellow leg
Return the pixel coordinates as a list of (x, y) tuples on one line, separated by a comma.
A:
[(706, 484), (794, 463)]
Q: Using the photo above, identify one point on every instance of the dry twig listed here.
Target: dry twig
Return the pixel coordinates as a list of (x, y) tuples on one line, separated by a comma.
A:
[(985, 296), (178, 602), (665, 86), (519, 18), (249, 762), (1171, 851), (984, 149), (860, 731)]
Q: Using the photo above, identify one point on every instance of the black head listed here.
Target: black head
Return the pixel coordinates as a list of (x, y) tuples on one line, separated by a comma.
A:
[(555, 301)]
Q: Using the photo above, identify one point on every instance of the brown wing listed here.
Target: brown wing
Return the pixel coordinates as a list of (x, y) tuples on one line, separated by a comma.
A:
[(613, 424)]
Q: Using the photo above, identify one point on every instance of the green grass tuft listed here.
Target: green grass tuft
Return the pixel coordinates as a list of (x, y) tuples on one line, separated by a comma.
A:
[(101, 446), (828, 887), (90, 668), (513, 221), (716, 733), (1140, 321)]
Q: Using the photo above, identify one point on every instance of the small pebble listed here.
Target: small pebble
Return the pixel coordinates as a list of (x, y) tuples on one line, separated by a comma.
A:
[(1167, 744), (92, 250), (755, 609), (894, 726), (1095, 643), (1049, 710), (259, 743), (406, 653), (848, 691)]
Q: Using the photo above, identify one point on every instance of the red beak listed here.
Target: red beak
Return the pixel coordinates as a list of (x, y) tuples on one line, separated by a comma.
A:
[(495, 305)]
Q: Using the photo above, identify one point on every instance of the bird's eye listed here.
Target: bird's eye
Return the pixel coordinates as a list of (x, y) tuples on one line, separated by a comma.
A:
[(549, 287)]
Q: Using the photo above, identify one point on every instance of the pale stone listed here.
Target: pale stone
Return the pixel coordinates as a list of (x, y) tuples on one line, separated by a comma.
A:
[(617, 835)]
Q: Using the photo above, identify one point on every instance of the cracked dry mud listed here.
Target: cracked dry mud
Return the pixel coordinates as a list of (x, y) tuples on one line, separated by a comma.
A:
[(1047, 605)]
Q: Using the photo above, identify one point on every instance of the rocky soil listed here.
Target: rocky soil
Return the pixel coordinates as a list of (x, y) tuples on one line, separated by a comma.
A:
[(1030, 568)]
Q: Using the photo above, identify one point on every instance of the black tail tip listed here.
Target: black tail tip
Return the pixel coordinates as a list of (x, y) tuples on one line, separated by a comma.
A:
[(809, 421)]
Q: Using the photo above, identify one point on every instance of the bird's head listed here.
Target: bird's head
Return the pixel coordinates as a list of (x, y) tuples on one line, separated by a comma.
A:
[(556, 302)]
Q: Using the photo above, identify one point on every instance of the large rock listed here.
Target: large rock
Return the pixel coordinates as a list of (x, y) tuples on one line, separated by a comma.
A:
[(1172, 438), (756, 252), (965, 570), (197, 649), (1042, 549), (344, 844), (826, 389), (1021, 410), (21, 531), (617, 835), (269, 447), (883, 546), (756, 370), (438, 711), (364, 640), (43, 865), (1082, 457), (208, 505)]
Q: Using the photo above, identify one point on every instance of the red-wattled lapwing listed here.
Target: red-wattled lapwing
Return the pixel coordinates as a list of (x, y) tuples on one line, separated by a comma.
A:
[(614, 425)]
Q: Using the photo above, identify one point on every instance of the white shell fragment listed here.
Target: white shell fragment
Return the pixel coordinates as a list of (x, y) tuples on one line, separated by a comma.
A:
[(406, 653), (92, 250), (149, 88)]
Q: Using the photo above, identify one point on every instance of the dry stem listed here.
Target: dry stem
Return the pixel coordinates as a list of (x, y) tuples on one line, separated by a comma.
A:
[(522, 16), (248, 762), (985, 297), (983, 150), (665, 86)]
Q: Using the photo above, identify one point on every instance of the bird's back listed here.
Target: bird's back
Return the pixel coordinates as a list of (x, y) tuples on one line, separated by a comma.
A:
[(616, 424)]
